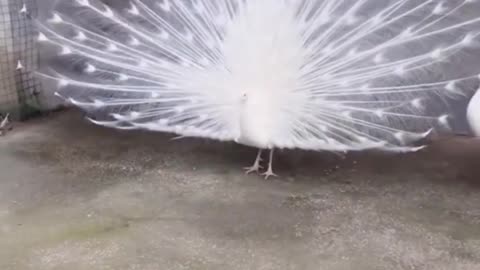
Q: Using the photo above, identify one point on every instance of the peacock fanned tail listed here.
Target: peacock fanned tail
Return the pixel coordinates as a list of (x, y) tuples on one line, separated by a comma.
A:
[(332, 75)]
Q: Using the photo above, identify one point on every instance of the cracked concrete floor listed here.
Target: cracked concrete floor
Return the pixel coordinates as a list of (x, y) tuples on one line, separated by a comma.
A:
[(76, 196)]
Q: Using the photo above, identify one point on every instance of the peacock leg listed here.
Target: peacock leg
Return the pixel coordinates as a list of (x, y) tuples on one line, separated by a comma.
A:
[(269, 172), (256, 165)]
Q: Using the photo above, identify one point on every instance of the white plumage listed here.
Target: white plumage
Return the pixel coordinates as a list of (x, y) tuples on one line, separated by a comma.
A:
[(334, 75), (473, 114)]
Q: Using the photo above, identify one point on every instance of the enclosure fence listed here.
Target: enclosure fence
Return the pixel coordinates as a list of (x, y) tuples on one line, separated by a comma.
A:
[(19, 58)]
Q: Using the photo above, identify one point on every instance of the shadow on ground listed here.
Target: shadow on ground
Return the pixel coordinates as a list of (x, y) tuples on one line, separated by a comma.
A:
[(77, 196)]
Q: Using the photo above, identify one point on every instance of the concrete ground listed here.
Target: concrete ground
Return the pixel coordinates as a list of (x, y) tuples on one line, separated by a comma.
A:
[(76, 196)]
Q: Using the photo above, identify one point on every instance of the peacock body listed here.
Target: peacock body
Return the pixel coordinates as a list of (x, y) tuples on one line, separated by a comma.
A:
[(333, 75)]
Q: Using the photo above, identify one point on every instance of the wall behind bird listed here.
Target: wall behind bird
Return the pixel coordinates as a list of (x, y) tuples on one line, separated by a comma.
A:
[(459, 125)]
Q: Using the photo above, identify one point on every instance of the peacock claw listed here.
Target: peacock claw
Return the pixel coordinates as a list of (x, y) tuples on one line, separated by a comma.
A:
[(253, 169), (268, 174), (256, 165)]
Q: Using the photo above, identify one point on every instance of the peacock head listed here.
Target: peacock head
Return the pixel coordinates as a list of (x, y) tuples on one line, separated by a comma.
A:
[(254, 97), (244, 98)]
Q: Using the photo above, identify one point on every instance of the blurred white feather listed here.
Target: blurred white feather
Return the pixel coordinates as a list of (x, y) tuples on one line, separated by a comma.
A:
[(473, 114), (335, 75)]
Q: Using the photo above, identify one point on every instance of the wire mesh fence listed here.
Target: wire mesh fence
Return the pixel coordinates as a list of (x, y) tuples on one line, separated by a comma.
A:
[(18, 59)]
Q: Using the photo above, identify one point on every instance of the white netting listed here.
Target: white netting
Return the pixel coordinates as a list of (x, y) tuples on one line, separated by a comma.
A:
[(18, 58)]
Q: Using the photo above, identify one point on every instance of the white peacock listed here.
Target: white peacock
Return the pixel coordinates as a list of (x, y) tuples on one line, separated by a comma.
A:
[(324, 75)]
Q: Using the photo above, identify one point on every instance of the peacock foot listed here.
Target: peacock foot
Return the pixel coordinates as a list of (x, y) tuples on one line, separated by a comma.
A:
[(269, 173), (253, 169)]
